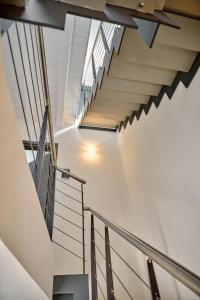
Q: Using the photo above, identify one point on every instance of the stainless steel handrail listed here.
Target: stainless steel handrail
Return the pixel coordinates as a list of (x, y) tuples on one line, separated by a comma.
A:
[(188, 278), (48, 103), (98, 50), (71, 175), (47, 93)]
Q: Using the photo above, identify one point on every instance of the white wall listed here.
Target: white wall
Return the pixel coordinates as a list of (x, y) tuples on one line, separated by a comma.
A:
[(16, 282), (22, 226), (146, 179), (160, 155), (105, 191)]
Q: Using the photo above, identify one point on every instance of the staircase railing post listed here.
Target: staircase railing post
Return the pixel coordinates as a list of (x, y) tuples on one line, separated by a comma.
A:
[(40, 151), (153, 282), (104, 39), (53, 197), (83, 227), (94, 68), (84, 97), (109, 275), (47, 93), (93, 262)]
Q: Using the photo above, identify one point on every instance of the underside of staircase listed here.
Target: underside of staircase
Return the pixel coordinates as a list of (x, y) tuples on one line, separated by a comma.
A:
[(134, 75)]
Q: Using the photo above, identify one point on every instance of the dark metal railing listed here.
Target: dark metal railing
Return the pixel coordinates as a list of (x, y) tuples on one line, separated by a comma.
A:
[(101, 46), (79, 179), (25, 43), (26, 54), (73, 205), (185, 276), (109, 270)]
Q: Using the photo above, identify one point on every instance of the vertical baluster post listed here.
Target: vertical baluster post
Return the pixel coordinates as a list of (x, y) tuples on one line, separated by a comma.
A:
[(40, 153), (93, 262), (84, 98), (106, 47), (83, 227), (94, 68), (109, 275), (46, 90), (153, 282)]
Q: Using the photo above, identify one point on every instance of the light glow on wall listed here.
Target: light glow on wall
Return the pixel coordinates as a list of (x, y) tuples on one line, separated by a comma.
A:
[(60, 132), (91, 151)]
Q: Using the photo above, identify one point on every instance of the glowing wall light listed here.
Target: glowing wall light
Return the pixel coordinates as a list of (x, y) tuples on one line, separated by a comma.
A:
[(91, 151)]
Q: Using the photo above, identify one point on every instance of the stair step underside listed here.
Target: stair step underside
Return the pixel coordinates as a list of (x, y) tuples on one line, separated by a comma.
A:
[(191, 7), (132, 75)]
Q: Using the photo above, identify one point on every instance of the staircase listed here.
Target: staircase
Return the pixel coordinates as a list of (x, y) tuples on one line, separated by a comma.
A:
[(134, 73), (129, 74), (38, 140)]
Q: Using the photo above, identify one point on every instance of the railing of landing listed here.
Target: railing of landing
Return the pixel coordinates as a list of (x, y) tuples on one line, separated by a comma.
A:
[(102, 44), (69, 216), (122, 265), (26, 75), (28, 79), (115, 275), (36, 117)]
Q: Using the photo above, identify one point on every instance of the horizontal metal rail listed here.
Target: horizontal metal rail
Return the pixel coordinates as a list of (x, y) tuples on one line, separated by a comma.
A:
[(70, 251), (47, 93), (101, 290), (71, 175), (69, 208), (188, 278), (72, 223), (48, 103), (102, 273), (69, 185), (92, 50), (68, 196), (122, 284), (130, 268), (101, 46), (68, 235)]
